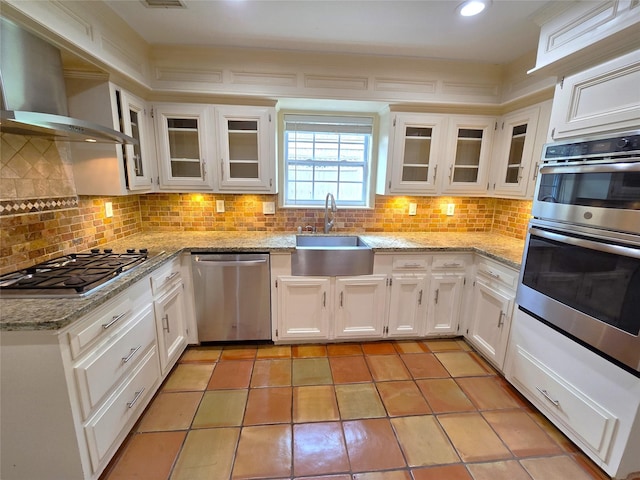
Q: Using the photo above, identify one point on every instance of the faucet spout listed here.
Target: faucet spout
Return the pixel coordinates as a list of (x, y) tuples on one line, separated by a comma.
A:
[(330, 200)]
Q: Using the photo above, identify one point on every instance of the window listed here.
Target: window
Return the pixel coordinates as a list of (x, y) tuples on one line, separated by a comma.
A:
[(327, 154)]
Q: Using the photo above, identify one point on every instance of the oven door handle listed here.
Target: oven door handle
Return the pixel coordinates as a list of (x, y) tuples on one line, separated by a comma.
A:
[(592, 168), (590, 244)]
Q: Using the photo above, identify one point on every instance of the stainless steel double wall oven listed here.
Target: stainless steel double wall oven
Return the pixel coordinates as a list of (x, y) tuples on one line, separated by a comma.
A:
[(581, 267)]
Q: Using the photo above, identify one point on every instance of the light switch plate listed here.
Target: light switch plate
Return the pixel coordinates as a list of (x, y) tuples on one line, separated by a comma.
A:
[(268, 208), (108, 209), (413, 208), (220, 206)]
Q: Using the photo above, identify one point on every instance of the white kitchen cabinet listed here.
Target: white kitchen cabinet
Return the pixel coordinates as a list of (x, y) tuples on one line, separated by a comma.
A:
[(584, 32), (304, 308), (491, 309), (170, 313), (186, 146), (591, 400), (446, 294), (407, 304), (110, 169), (415, 144), (74, 394), (517, 150), (603, 98), (360, 310), (135, 122), (246, 142), (469, 143)]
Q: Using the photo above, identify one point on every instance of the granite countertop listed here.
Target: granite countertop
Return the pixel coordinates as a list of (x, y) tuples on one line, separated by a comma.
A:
[(57, 313)]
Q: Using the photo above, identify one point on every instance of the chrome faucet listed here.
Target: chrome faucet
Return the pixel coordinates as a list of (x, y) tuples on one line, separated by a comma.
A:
[(328, 224)]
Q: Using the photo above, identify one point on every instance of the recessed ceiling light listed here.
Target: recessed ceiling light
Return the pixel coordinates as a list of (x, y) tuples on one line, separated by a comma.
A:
[(472, 7)]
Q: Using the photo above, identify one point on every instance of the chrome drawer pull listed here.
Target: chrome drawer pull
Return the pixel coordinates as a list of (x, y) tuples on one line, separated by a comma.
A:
[(166, 319), (171, 276), (501, 319), (135, 399), (452, 265), (494, 275), (130, 356), (411, 265), (548, 397), (113, 320)]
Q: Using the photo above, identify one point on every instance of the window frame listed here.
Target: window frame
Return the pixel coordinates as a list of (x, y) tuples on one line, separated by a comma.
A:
[(368, 165)]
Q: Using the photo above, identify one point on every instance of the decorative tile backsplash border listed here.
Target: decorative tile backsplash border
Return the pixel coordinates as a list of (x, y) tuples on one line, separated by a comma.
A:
[(35, 205)]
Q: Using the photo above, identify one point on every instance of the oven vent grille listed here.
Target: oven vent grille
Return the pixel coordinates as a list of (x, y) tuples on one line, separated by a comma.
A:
[(163, 4)]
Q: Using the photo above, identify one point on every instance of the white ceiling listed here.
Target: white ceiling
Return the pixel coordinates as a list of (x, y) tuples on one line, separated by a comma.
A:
[(421, 28)]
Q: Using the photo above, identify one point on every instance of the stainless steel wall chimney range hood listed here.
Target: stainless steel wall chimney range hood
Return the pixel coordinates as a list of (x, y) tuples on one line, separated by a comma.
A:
[(32, 92)]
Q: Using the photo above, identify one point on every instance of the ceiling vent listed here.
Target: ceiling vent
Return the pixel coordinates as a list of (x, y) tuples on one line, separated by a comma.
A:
[(163, 4)]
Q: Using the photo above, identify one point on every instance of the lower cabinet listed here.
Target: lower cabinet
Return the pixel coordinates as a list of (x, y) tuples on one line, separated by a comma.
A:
[(594, 402), (309, 306), (170, 313), (408, 302), (70, 397), (360, 306), (491, 309), (304, 308)]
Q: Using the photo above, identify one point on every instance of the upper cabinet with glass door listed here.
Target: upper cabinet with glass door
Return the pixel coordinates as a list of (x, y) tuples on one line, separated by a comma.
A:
[(133, 118), (415, 143), (521, 135), (185, 146), (468, 154), (246, 141)]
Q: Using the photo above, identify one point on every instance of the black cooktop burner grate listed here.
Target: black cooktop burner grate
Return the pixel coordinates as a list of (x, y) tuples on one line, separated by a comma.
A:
[(79, 272)]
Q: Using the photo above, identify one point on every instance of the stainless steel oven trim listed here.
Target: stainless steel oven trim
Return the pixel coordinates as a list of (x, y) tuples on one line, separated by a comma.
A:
[(631, 165), (590, 244), (603, 338)]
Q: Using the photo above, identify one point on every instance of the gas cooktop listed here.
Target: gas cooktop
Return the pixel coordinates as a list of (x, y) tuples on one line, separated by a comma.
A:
[(72, 275)]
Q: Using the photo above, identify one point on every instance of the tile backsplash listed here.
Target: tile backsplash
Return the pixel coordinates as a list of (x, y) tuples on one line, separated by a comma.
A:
[(33, 168), (26, 239)]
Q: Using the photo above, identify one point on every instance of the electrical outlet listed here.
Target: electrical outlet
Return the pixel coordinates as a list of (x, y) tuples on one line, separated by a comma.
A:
[(413, 208), (268, 208), (451, 208), (108, 209), (219, 206)]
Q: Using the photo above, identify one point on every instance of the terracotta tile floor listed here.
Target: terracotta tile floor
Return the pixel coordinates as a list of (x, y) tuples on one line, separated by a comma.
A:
[(405, 410)]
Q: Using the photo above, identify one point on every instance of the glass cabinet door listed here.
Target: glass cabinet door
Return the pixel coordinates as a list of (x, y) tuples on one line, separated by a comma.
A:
[(468, 154), (247, 152), (134, 123), (515, 151), (183, 141), (417, 143)]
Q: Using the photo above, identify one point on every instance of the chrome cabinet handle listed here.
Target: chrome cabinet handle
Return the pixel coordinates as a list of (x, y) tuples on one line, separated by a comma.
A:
[(169, 277), (341, 298), (420, 297), (135, 399), (546, 395), (452, 265), (492, 274), (324, 299), (501, 319), (114, 319), (437, 295), (450, 173), (165, 320), (131, 354), (435, 171), (411, 265)]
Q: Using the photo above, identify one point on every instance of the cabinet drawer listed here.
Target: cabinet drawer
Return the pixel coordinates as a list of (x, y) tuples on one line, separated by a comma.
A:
[(106, 320), (564, 403), (449, 262), (165, 276), (497, 273), (411, 263), (99, 372), (122, 409)]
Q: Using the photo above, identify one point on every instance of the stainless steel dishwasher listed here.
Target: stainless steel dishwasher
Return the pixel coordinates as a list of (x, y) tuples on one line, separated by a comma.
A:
[(232, 296)]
